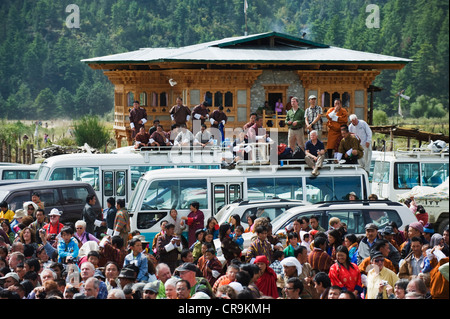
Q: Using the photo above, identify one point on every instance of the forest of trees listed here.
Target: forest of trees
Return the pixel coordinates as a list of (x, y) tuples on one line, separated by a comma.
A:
[(41, 76)]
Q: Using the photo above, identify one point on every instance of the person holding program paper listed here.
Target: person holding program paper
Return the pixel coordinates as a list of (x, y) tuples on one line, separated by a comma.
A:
[(336, 116)]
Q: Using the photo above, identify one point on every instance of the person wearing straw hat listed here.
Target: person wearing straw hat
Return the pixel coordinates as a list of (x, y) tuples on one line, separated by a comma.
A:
[(19, 214)]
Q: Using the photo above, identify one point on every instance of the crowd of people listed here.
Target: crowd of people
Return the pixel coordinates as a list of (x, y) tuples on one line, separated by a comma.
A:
[(100, 258), (349, 139)]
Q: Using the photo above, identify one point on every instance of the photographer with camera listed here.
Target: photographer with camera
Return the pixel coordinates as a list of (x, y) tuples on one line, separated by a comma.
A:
[(53, 228)]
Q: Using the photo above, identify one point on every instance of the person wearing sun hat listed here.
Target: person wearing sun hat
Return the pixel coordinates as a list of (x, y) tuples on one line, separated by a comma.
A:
[(53, 228), (19, 214)]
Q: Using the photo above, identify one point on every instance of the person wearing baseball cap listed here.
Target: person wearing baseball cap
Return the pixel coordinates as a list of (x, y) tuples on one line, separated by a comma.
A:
[(188, 271), (379, 276), (10, 279), (313, 117), (366, 244)]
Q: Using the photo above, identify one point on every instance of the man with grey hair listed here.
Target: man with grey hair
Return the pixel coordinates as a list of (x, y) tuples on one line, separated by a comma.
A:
[(362, 131), (314, 153), (46, 274), (87, 270), (92, 287), (116, 294)]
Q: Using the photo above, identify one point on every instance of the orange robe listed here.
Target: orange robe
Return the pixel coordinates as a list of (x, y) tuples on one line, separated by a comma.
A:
[(334, 128)]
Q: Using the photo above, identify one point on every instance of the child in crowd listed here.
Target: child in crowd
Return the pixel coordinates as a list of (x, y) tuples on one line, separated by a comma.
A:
[(137, 258), (293, 243), (306, 240), (237, 236), (213, 266), (68, 246), (196, 247)]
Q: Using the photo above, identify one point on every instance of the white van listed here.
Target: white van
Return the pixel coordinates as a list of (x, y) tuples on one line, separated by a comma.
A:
[(397, 172), (116, 175), (159, 191), (18, 171)]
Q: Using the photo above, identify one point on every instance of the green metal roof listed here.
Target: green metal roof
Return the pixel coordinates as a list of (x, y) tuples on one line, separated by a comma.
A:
[(271, 47)]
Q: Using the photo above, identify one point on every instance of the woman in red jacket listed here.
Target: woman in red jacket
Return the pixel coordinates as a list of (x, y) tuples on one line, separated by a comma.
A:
[(267, 281), (344, 273), (195, 220)]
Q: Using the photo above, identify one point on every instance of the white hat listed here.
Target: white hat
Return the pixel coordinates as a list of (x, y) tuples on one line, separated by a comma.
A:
[(236, 286), (292, 261), (55, 211), (20, 213), (312, 97), (11, 274), (200, 295)]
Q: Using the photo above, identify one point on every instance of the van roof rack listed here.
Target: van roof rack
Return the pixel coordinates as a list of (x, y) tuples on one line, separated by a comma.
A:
[(419, 152), (293, 164), (181, 155), (361, 201)]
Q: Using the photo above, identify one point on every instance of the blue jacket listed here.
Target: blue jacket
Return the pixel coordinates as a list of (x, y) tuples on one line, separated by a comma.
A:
[(70, 249), (141, 262)]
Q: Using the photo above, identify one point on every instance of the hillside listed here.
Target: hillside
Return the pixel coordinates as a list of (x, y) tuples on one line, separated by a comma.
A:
[(41, 76)]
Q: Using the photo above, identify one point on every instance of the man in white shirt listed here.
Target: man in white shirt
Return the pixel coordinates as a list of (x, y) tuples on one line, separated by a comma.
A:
[(363, 132)]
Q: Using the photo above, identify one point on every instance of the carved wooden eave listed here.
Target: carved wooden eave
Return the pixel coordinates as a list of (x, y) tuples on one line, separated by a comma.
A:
[(185, 78), (360, 79)]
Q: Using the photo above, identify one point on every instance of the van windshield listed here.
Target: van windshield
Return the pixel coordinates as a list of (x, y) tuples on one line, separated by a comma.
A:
[(3, 195), (381, 172), (42, 173), (168, 194)]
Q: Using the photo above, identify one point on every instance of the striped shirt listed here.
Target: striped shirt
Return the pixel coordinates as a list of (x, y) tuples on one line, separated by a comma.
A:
[(258, 248), (311, 114)]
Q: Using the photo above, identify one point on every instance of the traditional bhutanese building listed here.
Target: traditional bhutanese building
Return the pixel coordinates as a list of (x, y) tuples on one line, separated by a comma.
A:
[(241, 74)]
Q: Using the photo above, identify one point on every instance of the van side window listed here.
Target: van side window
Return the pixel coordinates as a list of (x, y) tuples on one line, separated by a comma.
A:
[(18, 174), (17, 199), (147, 220), (406, 175), (332, 188), (352, 218), (434, 174), (266, 188), (74, 195), (382, 217), (85, 174), (50, 197)]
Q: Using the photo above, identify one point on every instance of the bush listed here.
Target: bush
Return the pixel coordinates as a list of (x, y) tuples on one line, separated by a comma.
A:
[(89, 130), (380, 117), (425, 106)]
